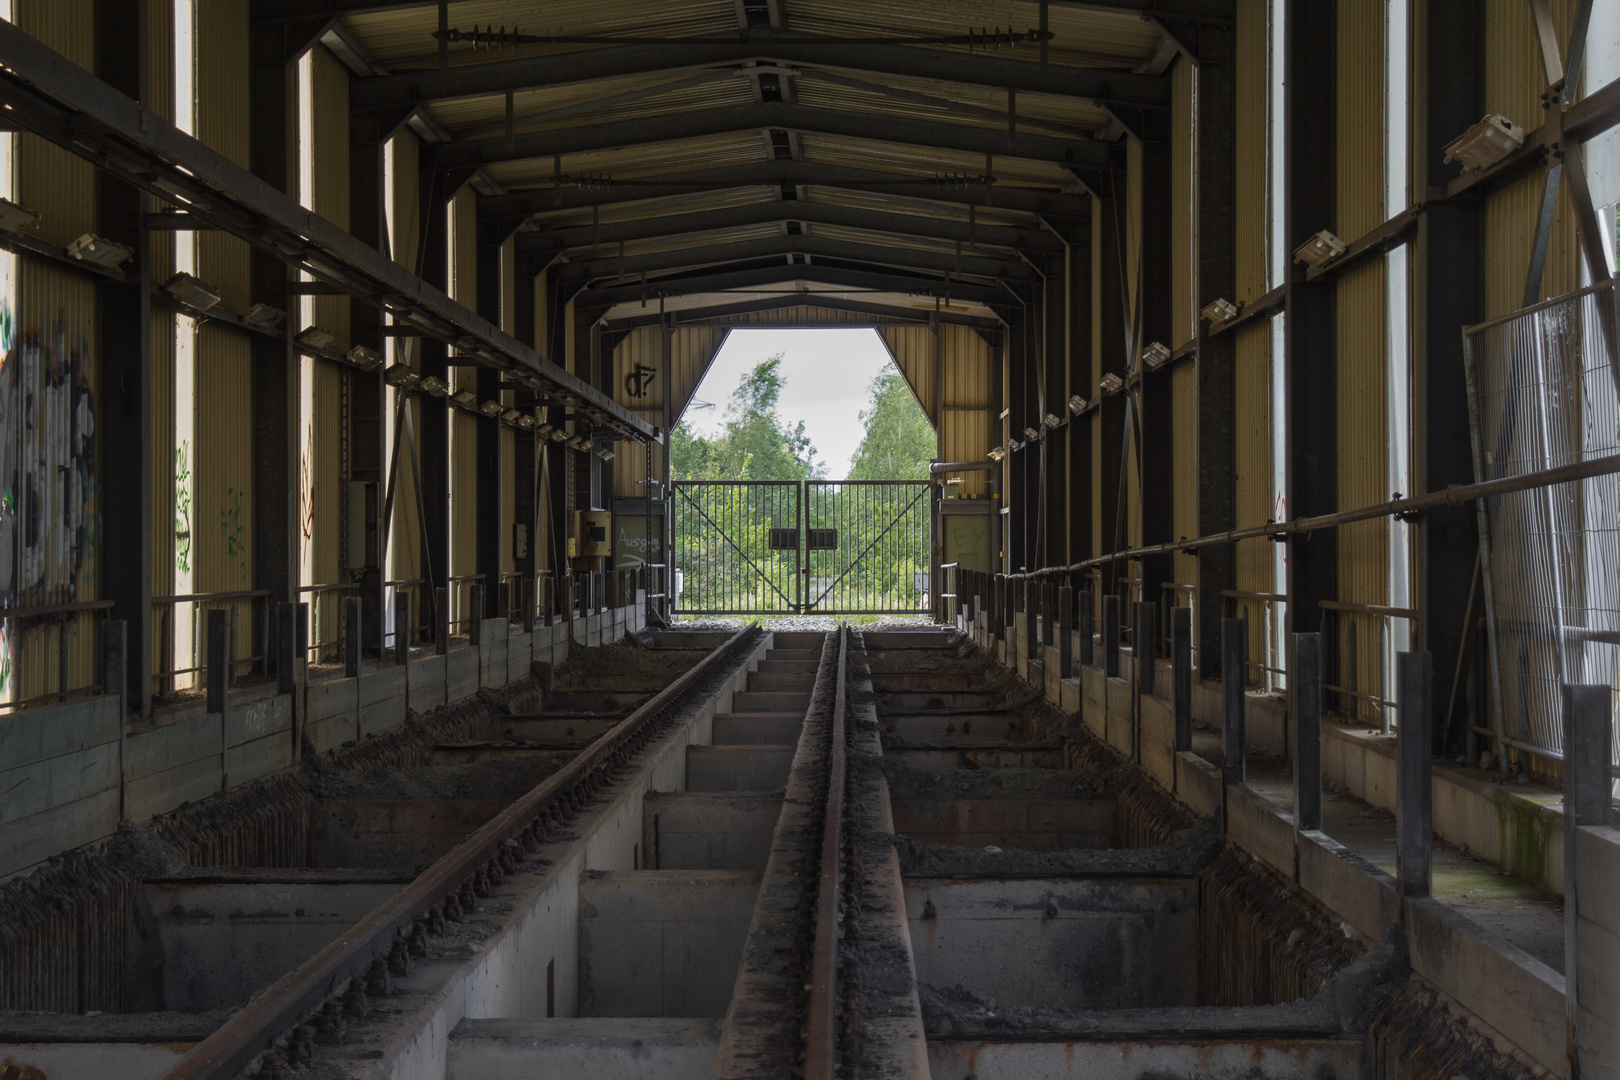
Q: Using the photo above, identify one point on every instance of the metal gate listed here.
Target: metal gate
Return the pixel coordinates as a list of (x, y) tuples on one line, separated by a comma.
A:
[(785, 547)]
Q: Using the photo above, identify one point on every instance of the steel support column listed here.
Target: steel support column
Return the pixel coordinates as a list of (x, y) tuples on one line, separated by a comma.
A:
[(1446, 284), (488, 511), (435, 433), (368, 394), (1156, 499), (1215, 267), (125, 417), (1309, 360)]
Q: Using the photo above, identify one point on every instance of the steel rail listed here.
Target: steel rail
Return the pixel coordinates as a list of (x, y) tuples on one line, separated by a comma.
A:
[(1454, 495), (254, 1028), (821, 1021)]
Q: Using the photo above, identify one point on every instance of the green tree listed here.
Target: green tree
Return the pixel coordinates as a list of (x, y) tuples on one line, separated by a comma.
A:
[(899, 442), (755, 443)]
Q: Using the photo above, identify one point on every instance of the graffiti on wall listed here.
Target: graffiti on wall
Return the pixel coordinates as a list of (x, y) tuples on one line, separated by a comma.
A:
[(233, 530), (182, 507), (47, 465)]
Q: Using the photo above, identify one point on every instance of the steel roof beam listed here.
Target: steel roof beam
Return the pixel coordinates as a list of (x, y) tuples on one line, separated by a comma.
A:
[(617, 62), (56, 99), (775, 174), (708, 312), (760, 277), (782, 246), (304, 9), (679, 224), (753, 118)]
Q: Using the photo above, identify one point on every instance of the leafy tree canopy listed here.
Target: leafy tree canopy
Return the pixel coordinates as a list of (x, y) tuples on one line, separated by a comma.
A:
[(755, 443), (899, 443)]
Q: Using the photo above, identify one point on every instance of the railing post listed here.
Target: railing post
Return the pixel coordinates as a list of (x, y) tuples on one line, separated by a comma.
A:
[(1032, 616), (1181, 631), (526, 587), (1588, 784), (1147, 654), (441, 621), (115, 681), (219, 647), (1414, 807), (1048, 603), (1234, 650), (1305, 705), (1065, 632), (475, 615), (286, 648), (353, 613), (1088, 654), (1110, 635), (402, 629)]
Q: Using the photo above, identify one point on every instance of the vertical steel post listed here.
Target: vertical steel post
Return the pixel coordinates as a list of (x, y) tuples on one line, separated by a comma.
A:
[(1234, 654), (219, 650), (1588, 798), (1110, 635), (441, 621), (1414, 808), (1181, 632), (352, 615), (402, 631), (1032, 615), (1147, 629), (286, 648), (1088, 655), (1305, 709), (1048, 613), (475, 615), (114, 682), (1065, 631)]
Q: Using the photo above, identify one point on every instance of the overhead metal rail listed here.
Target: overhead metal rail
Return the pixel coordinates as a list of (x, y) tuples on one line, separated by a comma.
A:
[(615, 135), (761, 46), (830, 276), (49, 95), (583, 191)]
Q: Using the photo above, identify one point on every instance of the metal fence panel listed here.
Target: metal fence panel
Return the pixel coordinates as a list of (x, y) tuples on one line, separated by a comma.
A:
[(880, 563), (725, 561), (1543, 393)]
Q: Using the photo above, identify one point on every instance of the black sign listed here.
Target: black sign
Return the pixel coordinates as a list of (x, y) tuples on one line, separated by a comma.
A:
[(639, 380)]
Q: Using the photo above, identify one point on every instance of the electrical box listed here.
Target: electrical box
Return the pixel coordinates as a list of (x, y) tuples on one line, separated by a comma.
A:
[(520, 539), (593, 534)]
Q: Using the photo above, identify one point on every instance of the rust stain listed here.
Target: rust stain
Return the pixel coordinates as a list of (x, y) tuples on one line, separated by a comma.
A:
[(10, 1069)]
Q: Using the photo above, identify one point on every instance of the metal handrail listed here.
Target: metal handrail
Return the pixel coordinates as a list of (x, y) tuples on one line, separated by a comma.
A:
[(40, 611)]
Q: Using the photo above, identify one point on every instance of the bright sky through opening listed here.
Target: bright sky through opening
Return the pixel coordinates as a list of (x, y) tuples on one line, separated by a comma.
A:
[(826, 372)]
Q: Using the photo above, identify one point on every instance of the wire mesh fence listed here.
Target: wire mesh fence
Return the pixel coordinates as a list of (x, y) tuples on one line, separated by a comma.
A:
[(1543, 393), (766, 547)]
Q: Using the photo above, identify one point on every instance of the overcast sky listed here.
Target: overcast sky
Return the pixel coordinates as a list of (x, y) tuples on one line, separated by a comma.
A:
[(826, 372)]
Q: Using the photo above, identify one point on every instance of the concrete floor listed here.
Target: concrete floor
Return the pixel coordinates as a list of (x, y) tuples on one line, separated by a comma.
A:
[(1507, 906)]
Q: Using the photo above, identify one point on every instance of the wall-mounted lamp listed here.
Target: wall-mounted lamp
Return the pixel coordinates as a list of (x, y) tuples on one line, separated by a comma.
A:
[(1156, 355), (1111, 383), (1077, 404), (1319, 250), (363, 358), (1486, 143), (14, 218), (313, 337), (192, 291), (96, 251), (264, 317), (1218, 311)]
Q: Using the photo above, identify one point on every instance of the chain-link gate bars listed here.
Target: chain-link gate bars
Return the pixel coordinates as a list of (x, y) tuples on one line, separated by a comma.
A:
[(875, 560), (1542, 389), (737, 549)]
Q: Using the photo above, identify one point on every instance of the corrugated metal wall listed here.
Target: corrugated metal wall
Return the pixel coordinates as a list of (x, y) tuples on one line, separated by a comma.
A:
[(49, 390), (1253, 487), (1362, 332), (968, 432), (1514, 80), (222, 466), (913, 349), (160, 99)]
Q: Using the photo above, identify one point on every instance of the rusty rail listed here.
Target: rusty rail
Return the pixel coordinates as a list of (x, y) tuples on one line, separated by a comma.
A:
[(821, 1027), (255, 1027)]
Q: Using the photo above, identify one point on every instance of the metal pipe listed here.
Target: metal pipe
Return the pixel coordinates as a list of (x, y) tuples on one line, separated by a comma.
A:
[(940, 468), (1454, 495)]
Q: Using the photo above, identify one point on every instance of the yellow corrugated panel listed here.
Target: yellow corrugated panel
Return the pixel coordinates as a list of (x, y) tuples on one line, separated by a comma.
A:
[(630, 461), (58, 184), (967, 366), (222, 124), (1359, 119), (1363, 413), (1255, 494), (1181, 203), (405, 535), (968, 434), (1514, 80), (691, 350), (330, 199), (48, 432), (913, 350), (162, 459), (222, 510), (1253, 210)]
